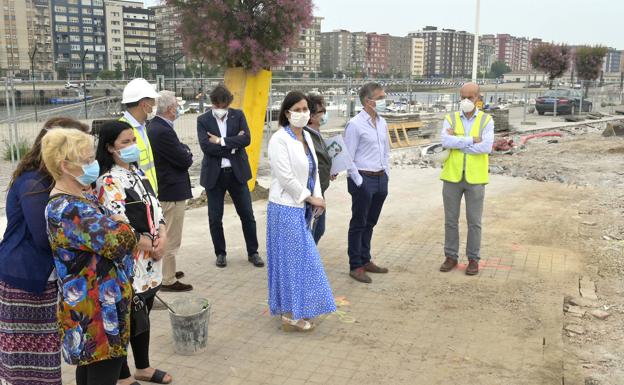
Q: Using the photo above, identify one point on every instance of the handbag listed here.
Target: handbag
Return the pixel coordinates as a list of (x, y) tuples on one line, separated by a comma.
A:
[(139, 315), (138, 213)]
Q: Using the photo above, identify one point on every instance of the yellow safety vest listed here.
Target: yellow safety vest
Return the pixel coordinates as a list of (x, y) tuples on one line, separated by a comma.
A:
[(146, 161), (477, 166)]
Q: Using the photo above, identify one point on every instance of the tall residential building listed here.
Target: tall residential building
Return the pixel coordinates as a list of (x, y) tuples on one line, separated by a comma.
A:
[(168, 40), (306, 58), (377, 54), (511, 50), (115, 33), (24, 25), (79, 30), (418, 57), (448, 53), (487, 56), (400, 56), (613, 61), (139, 37), (359, 46), (336, 51)]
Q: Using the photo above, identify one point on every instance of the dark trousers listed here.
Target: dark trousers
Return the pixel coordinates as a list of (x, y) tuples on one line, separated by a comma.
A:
[(140, 347), (366, 204), (104, 372), (239, 192), (318, 229)]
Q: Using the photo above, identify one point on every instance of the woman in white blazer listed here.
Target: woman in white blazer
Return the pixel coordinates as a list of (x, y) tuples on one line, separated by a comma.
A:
[(298, 287)]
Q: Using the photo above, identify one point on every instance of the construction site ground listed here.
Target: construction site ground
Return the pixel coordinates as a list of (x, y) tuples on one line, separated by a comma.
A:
[(553, 232)]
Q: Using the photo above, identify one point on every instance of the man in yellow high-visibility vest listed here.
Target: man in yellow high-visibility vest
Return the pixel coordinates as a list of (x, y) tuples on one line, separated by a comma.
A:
[(468, 135), (139, 97)]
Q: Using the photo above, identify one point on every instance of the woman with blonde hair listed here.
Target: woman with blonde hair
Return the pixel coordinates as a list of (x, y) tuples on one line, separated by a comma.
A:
[(93, 258), (31, 353)]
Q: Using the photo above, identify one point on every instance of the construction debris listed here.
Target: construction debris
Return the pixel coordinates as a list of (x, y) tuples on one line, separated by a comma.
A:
[(614, 129)]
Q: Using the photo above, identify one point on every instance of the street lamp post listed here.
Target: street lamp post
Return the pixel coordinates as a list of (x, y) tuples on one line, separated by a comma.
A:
[(475, 55), (84, 82), (32, 77), (140, 59), (201, 85)]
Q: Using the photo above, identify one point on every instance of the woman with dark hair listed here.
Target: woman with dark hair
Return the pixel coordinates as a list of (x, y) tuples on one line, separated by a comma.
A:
[(318, 117), (298, 286), (123, 189), (28, 288)]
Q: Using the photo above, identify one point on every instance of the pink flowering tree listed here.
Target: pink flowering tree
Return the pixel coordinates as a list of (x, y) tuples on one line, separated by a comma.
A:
[(253, 34)]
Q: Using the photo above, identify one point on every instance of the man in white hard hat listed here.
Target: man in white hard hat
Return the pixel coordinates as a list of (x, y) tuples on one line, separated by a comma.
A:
[(139, 97)]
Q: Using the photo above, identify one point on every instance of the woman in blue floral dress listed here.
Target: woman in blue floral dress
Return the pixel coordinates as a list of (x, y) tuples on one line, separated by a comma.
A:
[(93, 258), (298, 287)]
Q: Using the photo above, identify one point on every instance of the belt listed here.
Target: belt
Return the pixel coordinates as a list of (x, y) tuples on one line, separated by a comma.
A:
[(226, 169), (372, 173)]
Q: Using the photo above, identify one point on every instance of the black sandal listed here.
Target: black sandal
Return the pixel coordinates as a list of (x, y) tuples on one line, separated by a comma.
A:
[(158, 377)]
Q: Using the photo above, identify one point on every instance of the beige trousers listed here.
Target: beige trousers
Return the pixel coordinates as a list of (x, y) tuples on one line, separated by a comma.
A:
[(174, 216)]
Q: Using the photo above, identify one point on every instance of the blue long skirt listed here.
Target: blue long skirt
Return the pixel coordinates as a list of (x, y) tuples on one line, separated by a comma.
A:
[(297, 280)]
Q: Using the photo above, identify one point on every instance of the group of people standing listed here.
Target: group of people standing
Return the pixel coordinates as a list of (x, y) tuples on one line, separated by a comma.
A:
[(93, 232)]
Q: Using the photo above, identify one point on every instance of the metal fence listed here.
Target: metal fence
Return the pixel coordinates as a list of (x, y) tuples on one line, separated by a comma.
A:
[(19, 123)]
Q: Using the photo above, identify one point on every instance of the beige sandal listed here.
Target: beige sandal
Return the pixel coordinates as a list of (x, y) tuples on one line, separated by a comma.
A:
[(301, 325)]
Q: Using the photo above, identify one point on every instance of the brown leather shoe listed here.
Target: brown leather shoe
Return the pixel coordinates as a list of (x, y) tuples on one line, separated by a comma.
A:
[(372, 268), (448, 265), (177, 286), (473, 267), (360, 275)]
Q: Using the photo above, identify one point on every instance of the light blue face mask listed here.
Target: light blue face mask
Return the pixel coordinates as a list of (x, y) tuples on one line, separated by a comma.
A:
[(380, 105), (323, 120), (177, 114), (91, 173), (130, 154)]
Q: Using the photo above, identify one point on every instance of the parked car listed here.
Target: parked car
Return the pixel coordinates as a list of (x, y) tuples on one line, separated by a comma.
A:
[(568, 102)]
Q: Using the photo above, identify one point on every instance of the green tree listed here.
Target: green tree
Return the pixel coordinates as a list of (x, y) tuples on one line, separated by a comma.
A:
[(118, 74), (588, 62), (107, 75), (499, 68), (62, 73), (552, 59)]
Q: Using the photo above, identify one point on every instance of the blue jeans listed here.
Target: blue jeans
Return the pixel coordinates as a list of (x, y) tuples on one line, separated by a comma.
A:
[(366, 204), (318, 229)]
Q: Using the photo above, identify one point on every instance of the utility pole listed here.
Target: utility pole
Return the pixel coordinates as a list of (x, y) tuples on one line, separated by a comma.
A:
[(140, 58), (32, 77), (475, 55), (84, 82), (201, 85)]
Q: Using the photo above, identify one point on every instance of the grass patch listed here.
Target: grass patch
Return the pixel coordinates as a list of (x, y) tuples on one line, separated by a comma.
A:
[(22, 147)]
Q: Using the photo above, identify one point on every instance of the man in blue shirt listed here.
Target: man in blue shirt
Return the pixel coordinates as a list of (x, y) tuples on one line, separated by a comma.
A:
[(366, 138)]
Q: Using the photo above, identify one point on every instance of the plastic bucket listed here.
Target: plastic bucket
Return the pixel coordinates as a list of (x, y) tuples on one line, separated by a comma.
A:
[(190, 325)]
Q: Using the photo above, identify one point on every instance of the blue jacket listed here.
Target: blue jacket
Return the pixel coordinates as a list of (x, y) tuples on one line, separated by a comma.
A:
[(213, 153), (172, 159), (25, 256)]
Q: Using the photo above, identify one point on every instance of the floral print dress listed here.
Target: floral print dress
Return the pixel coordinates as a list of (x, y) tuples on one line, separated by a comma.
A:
[(111, 191), (93, 260)]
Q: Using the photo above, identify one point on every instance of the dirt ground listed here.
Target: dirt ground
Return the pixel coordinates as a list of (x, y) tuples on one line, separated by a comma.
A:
[(586, 158)]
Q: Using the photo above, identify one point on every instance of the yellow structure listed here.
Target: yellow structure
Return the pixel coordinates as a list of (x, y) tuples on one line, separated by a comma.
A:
[(251, 94)]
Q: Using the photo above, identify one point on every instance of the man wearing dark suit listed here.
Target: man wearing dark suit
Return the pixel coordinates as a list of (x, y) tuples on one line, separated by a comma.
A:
[(223, 135), (172, 160)]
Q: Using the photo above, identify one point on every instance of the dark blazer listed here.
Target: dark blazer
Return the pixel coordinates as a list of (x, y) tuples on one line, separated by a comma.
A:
[(213, 153), (172, 159), (324, 160)]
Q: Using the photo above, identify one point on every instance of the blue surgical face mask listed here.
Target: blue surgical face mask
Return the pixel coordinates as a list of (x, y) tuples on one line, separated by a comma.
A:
[(323, 120), (91, 173), (380, 105), (177, 114), (129, 154)]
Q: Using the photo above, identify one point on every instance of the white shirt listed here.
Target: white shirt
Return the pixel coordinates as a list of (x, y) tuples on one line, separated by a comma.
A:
[(225, 162), (289, 170)]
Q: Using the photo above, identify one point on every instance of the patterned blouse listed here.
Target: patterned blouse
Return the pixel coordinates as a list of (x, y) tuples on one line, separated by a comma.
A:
[(111, 191), (93, 260)]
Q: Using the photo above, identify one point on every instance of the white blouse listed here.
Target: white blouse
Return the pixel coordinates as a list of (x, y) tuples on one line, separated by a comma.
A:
[(110, 189)]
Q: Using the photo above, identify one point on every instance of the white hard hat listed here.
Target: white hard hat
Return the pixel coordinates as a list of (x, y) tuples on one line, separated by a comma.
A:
[(138, 89)]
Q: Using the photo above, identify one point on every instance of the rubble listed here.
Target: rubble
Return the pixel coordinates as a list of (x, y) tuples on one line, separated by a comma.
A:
[(600, 314)]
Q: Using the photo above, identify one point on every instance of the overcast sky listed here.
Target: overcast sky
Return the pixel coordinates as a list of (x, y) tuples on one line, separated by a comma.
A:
[(566, 21)]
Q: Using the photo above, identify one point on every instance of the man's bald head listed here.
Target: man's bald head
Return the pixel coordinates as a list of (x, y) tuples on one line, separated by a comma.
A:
[(469, 91)]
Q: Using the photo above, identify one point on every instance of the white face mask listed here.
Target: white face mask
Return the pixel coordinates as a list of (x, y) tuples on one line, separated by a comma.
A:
[(466, 105), (299, 119), (219, 112)]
